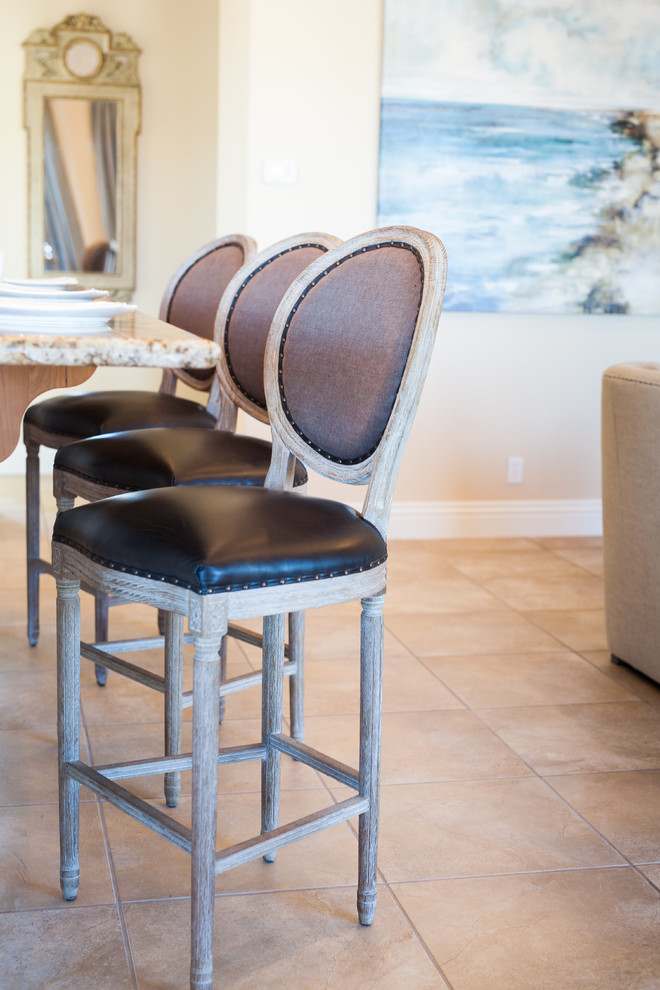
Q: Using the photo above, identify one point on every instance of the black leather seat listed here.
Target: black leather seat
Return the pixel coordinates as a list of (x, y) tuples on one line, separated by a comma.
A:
[(87, 415), (266, 537), (160, 458)]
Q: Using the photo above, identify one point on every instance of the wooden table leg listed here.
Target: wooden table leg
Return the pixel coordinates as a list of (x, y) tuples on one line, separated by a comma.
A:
[(19, 385)]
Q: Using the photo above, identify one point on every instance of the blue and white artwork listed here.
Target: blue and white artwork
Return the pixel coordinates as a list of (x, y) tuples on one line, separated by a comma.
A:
[(527, 136)]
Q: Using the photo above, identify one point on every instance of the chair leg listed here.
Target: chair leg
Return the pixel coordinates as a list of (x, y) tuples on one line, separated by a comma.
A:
[(32, 539), (223, 678), (297, 679), (271, 721), (68, 730), (206, 693), (101, 632), (65, 501), (371, 704), (173, 699)]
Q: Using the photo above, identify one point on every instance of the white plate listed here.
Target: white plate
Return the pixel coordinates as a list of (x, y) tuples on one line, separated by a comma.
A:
[(59, 292), (52, 316), (63, 281)]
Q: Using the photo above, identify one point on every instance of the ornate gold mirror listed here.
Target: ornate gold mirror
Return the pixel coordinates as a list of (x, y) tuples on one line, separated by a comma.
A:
[(82, 113)]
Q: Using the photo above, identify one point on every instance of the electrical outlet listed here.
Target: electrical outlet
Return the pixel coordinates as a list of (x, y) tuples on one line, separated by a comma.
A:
[(515, 469)]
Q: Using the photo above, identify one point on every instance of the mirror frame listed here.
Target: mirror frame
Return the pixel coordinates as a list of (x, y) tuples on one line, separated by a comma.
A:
[(51, 72)]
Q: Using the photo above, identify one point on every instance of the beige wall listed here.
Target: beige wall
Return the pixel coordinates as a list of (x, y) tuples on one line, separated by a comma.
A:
[(499, 385), (177, 148), (228, 84)]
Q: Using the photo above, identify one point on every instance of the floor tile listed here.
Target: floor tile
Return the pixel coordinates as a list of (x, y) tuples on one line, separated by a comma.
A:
[(124, 700), (589, 558), (468, 828), (624, 807), (334, 636), (594, 929), (292, 940), (548, 591), (17, 655), (525, 679), (122, 743), (578, 629), (636, 682), (437, 593), (28, 765), (502, 563), (148, 866), (72, 948), (421, 746), (28, 700), (559, 543), (29, 858), (447, 635), (579, 738), (332, 688), (451, 548), (652, 872)]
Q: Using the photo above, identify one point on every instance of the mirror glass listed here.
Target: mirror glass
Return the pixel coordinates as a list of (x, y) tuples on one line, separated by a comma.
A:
[(82, 113), (80, 185)]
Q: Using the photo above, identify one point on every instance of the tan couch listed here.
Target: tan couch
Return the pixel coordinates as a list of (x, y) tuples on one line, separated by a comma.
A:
[(631, 513)]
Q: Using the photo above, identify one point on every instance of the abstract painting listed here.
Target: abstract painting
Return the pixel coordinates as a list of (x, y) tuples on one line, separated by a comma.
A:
[(527, 136)]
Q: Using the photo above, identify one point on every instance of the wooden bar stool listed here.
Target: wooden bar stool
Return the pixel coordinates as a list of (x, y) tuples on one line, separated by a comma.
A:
[(346, 357)]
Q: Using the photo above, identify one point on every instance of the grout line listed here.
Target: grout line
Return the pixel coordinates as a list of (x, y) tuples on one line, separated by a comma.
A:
[(418, 936), (111, 868), (516, 873)]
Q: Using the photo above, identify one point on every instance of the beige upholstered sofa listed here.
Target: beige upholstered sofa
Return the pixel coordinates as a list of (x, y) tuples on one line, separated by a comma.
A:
[(631, 513)]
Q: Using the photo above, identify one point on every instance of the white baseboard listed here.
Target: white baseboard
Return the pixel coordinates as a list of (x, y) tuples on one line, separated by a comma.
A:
[(541, 517)]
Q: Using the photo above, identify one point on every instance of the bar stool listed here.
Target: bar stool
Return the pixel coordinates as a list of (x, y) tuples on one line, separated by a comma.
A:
[(348, 350)]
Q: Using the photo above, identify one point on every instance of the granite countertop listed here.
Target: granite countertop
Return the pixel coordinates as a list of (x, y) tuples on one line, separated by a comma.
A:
[(133, 339)]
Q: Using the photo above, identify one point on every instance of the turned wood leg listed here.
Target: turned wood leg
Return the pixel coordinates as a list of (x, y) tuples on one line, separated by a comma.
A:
[(173, 699), (271, 721), (32, 540), (223, 678), (371, 703), (65, 501), (206, 693), (297, 679), (101, 632), (68, 730)]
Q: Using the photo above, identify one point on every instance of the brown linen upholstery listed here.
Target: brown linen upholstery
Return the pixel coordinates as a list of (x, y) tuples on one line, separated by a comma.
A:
[(631, 513), (213, 554), (191, 300), (343, 411), (248, 320)]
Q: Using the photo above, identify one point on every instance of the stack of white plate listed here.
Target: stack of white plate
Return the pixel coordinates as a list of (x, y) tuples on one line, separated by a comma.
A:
[(57, 305)]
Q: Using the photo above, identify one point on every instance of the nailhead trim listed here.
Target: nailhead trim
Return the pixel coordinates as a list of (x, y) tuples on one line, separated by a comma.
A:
[(287, 325), (225, 335), (171, 579), (218, 247)]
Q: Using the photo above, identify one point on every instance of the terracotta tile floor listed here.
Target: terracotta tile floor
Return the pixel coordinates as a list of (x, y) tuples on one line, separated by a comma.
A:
[(520, 840)]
